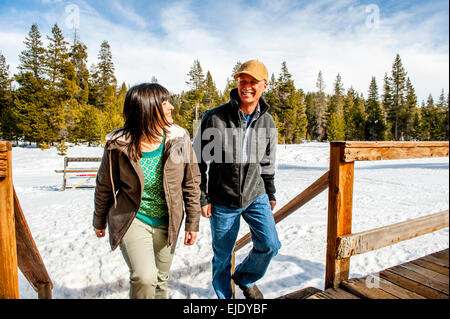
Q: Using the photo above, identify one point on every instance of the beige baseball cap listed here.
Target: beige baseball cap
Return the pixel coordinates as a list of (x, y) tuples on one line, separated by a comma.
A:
[(255, 69)]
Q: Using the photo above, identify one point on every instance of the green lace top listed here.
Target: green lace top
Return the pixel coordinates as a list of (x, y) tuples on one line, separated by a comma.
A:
[(153, 209)]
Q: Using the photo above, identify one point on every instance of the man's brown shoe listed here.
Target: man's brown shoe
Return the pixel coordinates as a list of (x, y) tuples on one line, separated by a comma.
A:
[(249, 293)]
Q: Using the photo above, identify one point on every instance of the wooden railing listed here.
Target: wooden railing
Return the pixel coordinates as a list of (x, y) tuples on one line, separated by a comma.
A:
[(17, 247), (301, 199), (341, 243)]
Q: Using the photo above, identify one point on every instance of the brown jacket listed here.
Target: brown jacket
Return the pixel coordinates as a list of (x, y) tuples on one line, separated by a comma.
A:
[(120, 182)]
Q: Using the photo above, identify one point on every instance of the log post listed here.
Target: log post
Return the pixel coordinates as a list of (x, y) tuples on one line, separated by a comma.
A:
[(9, 281), (64, 175), (340, 197)]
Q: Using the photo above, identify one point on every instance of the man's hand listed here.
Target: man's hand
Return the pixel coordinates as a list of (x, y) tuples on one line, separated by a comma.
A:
[(100, 232), (272, 204), (190, 237), (206, 211)]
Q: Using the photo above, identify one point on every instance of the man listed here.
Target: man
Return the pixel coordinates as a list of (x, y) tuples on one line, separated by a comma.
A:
[(236, 144)]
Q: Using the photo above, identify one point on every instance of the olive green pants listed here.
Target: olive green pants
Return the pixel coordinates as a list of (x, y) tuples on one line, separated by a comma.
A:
[(148, 257)]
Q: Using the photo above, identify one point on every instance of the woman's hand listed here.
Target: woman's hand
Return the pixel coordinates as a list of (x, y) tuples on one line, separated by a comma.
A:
[(100, 232), (190, 237)]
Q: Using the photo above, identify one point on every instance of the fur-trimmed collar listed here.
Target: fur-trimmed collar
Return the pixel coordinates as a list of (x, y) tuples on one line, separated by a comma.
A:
[(174, 131)]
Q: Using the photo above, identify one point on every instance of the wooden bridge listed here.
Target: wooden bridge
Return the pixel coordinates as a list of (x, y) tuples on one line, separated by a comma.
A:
[(426, 277), (423, 278)]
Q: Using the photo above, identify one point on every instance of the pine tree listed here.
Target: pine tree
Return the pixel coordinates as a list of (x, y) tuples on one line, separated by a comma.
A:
[(112, 117), (441, 117), (32, 58), (359, 117), (193, 99), (321, 108), (416, 132), (445, 115), (375, 123), (336, 122), (387, 105), (5, 84), (410, 106), (196, 77), (356, 122), (104, 81), (231, 84), (56, 56), (398, 98), (80, 99), (431, 121), (316, 110), (293, 110), (78, 57), (28, 109), (89, 128), (211, 97), (27, 112), (7, 125), (61, 77), (272, 96)]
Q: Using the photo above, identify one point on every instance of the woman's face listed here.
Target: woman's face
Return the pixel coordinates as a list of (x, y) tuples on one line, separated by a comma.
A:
[(167, 109)]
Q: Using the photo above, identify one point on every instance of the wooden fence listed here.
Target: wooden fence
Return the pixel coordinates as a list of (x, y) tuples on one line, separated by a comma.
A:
[(341, 243), (17, 247), (92, 172)]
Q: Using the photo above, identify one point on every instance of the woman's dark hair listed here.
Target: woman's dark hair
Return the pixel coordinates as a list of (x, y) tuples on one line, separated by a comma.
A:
[(144, 116)]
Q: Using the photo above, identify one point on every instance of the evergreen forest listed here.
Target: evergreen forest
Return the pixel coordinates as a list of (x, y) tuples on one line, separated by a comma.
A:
[(56, 98)]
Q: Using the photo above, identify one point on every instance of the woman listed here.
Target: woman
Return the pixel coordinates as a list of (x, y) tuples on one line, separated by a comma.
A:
[(148, 171)]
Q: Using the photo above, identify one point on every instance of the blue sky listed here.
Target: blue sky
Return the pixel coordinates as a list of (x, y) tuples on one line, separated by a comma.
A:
[(358, 39)]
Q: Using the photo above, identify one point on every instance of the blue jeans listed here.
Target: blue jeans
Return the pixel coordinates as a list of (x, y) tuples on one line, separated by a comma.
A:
[(225, 224)]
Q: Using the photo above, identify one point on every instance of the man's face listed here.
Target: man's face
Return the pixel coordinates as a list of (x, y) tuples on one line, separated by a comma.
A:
[(250, 89)]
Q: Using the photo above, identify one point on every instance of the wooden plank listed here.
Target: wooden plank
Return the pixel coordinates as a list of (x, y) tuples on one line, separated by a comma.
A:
[(9, 280), (301, 294), (44, 290), (373, 151), (333, 293), (432, 266), (301, 199), (338, 293), (436, 260), (412, 285), (395, 290), (29, 259), (359, 287), (362, 242), (83, 159), (75, 170), (414, 282), (427, 273), (399, 144), (443, 254), (319, 295), (340, 198)]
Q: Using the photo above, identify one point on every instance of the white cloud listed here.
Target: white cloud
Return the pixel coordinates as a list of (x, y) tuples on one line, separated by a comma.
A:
[(129, 14), (328, 36)]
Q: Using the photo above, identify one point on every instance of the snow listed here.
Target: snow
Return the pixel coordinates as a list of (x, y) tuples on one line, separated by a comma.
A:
[(83, 266)]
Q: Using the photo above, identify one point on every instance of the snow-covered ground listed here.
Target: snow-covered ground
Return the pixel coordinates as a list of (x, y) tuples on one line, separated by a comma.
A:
[(83, 266)]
